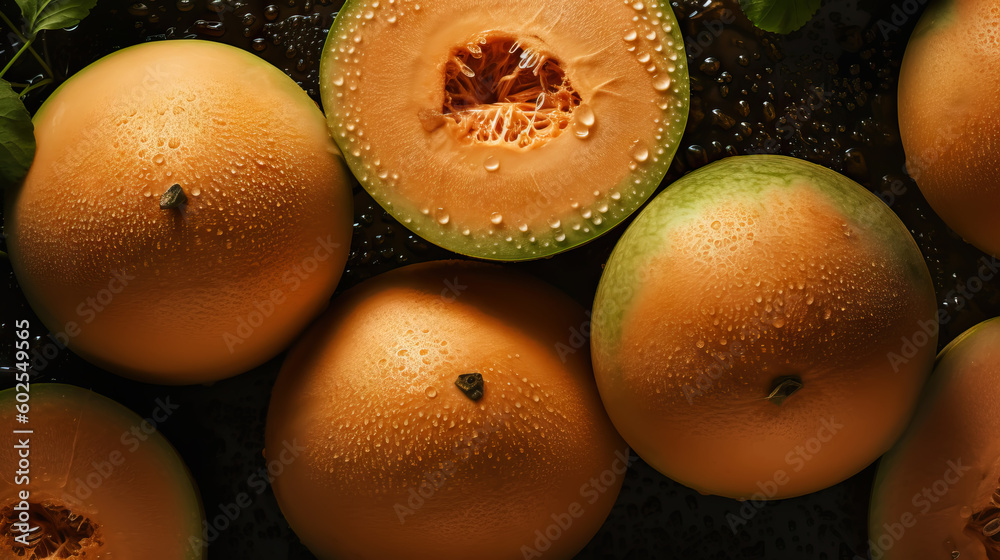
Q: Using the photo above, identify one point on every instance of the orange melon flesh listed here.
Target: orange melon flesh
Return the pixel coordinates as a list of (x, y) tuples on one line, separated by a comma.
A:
[(939, 487), (744, 272), (399, 462), (949, 115), (384, 75), (135, 494), (198, 293)]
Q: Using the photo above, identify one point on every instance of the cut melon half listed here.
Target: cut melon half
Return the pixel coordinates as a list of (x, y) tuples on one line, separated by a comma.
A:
[(101, 482), (506, 130)]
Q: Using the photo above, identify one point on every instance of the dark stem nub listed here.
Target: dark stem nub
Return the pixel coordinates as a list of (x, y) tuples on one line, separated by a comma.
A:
[(783, 387), (471, 384), (173, 198)]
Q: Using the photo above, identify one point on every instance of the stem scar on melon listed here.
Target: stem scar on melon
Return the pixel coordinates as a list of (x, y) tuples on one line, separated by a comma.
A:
[(504, 130), (173, 198)]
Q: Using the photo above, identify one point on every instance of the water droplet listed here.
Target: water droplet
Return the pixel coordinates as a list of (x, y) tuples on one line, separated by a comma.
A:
[(431, 392), (560, 237), (174, 143), (158, 159), (523, 227), (585, 115), (196, 191), (778, 322), (442, 216), (638, 5), (554, 222), (827, 313), (661, 82), (716, 224), (496, 218), (700, 344), (492, 164), (631, 36)]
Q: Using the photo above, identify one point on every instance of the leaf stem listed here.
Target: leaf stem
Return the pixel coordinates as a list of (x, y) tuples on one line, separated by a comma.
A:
[(23, 39), (37, 84), (17, 55)]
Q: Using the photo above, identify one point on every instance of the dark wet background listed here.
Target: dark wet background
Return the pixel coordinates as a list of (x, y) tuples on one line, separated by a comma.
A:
[(825, 93)]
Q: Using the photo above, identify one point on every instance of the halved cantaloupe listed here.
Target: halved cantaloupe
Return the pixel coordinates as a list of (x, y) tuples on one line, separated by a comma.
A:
[(101, 484), (937, 492), (504, 129)]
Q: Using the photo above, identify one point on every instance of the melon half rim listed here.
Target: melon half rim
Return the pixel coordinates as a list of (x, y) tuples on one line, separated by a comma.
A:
[(439, 110), (98, 486)]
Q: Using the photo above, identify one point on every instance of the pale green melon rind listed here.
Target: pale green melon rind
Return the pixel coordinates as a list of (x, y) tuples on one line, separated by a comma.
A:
[(113, 412), (520, 248), (947, 368), (278, 79), (937, 15), (694, 196)]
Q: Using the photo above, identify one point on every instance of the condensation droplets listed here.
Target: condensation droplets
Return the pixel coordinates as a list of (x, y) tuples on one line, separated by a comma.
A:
[(662, 82)]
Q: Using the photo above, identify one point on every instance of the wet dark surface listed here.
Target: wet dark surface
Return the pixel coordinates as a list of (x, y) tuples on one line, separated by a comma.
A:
[(825, 93)]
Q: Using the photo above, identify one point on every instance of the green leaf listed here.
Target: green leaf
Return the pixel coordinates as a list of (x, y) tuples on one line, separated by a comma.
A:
[(17, 137), (53, 14), (778, 16)]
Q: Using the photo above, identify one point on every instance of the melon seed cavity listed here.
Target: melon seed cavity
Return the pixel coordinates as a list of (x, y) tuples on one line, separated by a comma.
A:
[(60, 532), (504, 91)]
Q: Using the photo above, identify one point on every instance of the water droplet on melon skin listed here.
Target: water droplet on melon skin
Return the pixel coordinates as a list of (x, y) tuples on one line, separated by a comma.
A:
[(662, 82)]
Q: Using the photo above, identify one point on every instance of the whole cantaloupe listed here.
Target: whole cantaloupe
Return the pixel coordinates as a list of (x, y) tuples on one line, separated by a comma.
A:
[(948, 114), (205, 288), (404, 453), (763, 329)]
